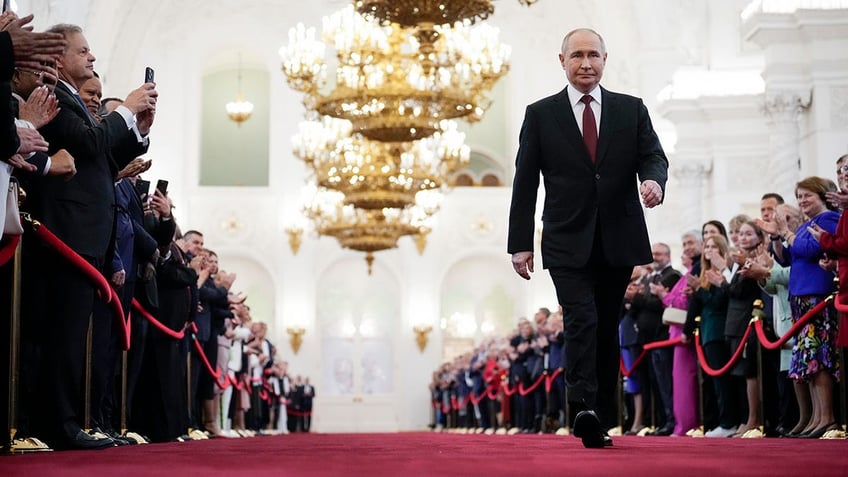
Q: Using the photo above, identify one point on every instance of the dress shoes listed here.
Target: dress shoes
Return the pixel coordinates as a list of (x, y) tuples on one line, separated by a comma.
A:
[(587, 427), (821, 431), (663, 431), (83, 440)]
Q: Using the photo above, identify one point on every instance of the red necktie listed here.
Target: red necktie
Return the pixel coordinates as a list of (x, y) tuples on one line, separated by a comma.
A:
[(590, 129)]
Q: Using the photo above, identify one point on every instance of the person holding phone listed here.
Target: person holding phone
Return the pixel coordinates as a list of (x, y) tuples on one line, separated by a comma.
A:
[(81, 213)]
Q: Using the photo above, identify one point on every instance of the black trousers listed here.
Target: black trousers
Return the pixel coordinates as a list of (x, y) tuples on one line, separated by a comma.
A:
[(591, 299)]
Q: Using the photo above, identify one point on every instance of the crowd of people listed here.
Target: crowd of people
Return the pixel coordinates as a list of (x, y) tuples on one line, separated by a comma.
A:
[(787, 258), (194, 357)]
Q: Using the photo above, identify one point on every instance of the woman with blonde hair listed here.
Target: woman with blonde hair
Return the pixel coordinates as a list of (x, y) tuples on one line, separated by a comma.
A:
[(709, 302)]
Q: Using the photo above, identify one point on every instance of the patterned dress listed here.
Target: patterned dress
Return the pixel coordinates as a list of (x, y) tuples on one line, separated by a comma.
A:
[(814, 347)]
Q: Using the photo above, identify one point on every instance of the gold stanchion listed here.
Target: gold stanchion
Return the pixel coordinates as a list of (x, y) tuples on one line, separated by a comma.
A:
[(758, 432), (16, 444), (702, 429)]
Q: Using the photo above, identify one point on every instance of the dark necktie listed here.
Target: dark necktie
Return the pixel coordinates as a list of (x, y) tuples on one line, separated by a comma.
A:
[(79, 100), (590, 129)]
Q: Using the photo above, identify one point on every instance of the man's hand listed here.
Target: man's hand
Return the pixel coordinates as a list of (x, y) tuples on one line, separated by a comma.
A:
[(522, 262), (135, 167), (159, 203), (837, 199), (144, 120), (17, 161), (31, 141), (142, 99), (816, 231), (40, 108), (651, 192), (119, 278), (33, 48), (62, 164)]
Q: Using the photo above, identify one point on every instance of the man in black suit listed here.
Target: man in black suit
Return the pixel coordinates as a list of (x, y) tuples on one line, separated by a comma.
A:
[(590, 145), (81, 212)]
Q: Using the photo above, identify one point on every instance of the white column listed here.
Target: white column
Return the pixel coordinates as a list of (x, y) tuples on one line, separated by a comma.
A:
[(690, 175), (782, 110)]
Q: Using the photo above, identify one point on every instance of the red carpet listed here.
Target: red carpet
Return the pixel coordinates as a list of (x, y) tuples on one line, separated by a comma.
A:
[(414, 454)]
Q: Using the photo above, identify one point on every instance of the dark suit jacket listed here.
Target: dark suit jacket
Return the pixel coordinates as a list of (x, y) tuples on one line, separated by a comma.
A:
[(9, 141), (81, 211), (582, 197)]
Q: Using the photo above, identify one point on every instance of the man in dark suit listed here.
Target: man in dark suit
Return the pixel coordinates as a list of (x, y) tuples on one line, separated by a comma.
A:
[(590, 145), (81, 212)]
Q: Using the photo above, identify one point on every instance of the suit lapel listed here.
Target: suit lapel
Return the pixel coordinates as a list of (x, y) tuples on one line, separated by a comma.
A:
[(77, 106), (564, 114), (609, 112)]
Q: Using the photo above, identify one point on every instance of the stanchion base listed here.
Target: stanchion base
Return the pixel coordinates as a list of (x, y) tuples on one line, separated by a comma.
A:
[(134, 436), (490, 431), (501, 431), (834, 434), (696, 432), (562, 431), (646, 431), (26, 445), (614, 431), (513, 431), (756, 433), (197, 435)]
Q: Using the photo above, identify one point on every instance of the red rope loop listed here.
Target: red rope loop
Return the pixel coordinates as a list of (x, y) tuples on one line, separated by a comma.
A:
[(809, 315), (550, 379), (522, 391), (654, 345), (7, 251), (733, 359), (156, 323), (104, 291), (216, 373)]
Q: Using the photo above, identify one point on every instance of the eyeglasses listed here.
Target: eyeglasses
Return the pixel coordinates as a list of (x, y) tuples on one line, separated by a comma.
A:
[(37, 74)]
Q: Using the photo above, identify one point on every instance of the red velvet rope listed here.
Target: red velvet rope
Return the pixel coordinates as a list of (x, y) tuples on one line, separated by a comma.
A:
[(645, 349), (508, 392), (522, 391), (103, 288), (7, 251), (761, 334), (106, 293), (298, 413), (215, 374), (550, 380), (123, 324), (718, 372), (158, 324)]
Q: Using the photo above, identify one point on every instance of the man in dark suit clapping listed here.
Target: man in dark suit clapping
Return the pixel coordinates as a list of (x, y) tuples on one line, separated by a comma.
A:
[(590, 145)]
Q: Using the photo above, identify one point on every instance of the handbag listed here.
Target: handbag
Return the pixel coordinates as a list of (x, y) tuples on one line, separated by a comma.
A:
[(12, 226), (674, 316)]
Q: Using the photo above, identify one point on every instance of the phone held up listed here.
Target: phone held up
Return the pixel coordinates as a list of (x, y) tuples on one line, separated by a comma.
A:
[(148, 75), (142, 187), (162, 186)]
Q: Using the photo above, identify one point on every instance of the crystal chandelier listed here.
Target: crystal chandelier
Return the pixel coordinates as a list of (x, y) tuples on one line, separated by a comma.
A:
[(381, 139), (239, 110), (377, 175), (392, 83)]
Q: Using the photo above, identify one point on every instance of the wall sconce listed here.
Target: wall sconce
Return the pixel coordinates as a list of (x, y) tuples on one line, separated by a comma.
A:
[(295, 337), (421, 332), (295, 234)]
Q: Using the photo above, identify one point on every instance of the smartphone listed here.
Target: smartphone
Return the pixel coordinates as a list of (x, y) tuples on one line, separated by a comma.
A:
[(162, 186), (148, 75), (142, 187)]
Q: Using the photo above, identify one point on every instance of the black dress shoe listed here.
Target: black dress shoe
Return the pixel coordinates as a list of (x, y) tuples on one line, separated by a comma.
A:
[(607, 441), (83, 440), (821, 431), (587, 427), (663, 431)]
